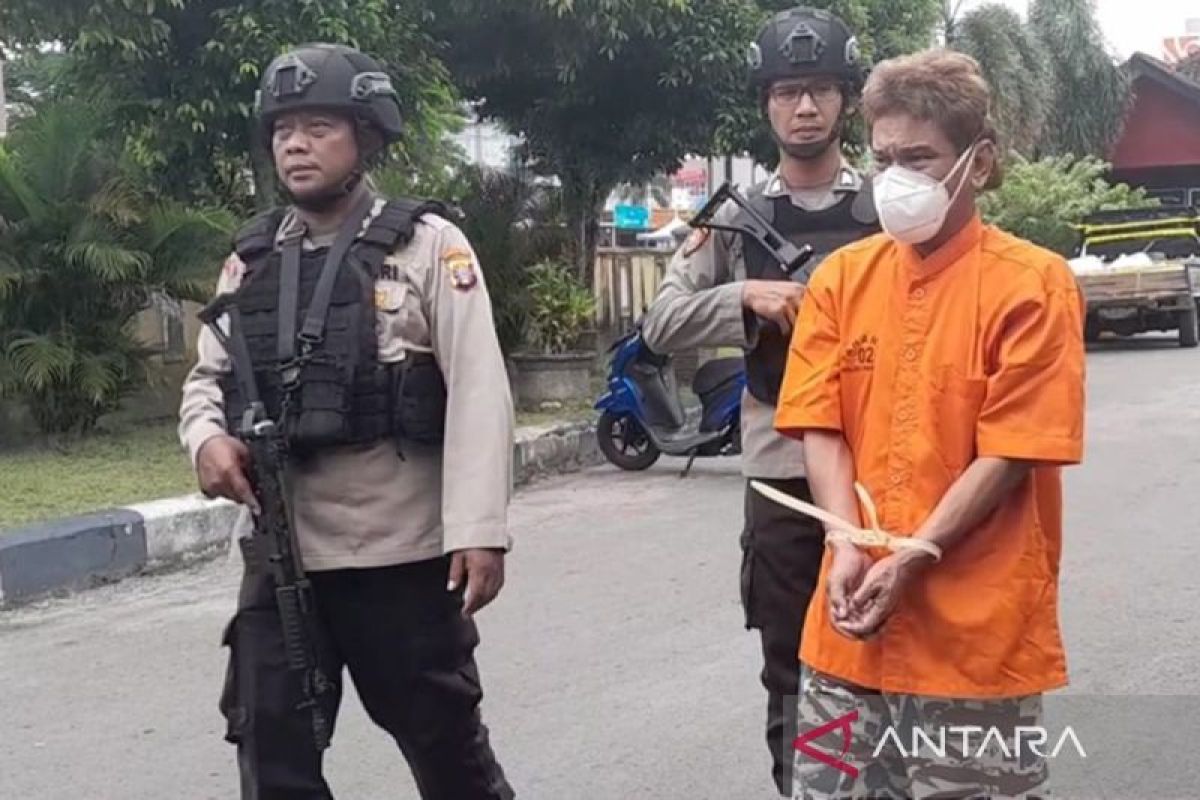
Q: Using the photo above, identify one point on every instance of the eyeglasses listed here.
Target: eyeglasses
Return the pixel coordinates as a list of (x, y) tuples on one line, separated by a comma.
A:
[(790, 94)]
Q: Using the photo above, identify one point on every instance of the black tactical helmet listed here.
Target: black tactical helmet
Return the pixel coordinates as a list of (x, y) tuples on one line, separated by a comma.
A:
[(330, 77), (805, 41)]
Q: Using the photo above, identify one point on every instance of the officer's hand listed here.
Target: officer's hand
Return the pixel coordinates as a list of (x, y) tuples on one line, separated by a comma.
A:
[(484, 572), (221, 467), (777, 301)]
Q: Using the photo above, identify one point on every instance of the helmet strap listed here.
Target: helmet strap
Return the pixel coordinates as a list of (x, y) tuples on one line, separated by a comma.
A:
[(329, 198), (326, 200), (813, 150), (369, 140), (810, 150)]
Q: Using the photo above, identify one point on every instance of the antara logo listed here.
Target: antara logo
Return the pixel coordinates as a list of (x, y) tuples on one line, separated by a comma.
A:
[(803, 743), (974, 742)]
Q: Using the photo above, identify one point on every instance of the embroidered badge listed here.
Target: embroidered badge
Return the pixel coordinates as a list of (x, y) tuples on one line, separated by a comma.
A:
[(389, 295), (461, 266)]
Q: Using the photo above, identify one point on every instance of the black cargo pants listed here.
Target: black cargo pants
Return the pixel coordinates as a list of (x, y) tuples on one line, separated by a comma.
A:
[(410, 654), (781, 558)]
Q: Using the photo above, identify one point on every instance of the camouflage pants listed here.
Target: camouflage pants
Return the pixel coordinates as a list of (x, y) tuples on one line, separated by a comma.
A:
[(860, 744)]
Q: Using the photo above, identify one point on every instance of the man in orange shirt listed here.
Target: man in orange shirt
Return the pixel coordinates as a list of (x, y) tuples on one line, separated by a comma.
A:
[(941, 366)]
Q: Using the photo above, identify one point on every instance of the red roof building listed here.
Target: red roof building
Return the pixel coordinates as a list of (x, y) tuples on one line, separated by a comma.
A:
[(1159, 148)]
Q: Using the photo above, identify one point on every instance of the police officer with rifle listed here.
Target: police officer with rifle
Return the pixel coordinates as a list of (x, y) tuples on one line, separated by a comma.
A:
[(724, 288), (350, 392)]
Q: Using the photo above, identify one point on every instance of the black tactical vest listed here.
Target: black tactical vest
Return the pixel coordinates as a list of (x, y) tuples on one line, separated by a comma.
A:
[(852, 218), (332, 390)]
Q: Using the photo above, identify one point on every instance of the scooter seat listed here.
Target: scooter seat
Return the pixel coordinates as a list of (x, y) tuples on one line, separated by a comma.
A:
[(716, 373)]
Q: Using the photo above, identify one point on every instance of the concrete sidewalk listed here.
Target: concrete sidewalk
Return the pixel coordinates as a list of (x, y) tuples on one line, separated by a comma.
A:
[(105, 546)]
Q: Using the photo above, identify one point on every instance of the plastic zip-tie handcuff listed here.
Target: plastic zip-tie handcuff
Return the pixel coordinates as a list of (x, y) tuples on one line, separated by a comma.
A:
[(839, 530)]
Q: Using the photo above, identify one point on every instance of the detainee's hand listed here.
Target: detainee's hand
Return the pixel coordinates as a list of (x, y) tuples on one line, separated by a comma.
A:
[(483, 569), (876, 598), (777, 301), (221, 467), (847, 569)]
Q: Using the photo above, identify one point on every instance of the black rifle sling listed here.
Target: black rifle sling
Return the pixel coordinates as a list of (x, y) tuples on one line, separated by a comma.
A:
[(314, 321), (289, 297)]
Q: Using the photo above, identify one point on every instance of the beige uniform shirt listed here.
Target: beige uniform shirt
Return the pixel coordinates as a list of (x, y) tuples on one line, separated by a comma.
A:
[(364, 506), (700, 305)]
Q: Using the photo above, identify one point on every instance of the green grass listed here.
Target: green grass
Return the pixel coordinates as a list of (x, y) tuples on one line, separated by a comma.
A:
[(127, 465), (101, 471)]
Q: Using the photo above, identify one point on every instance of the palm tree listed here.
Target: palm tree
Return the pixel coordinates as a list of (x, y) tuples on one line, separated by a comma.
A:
[(82, 253), (1016, 66), (1091, 93)]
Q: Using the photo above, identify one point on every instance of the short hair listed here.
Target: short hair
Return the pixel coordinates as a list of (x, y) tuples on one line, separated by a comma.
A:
[(940, 86)]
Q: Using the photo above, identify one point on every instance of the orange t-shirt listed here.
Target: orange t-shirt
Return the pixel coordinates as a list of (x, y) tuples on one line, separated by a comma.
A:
[(925, 365)]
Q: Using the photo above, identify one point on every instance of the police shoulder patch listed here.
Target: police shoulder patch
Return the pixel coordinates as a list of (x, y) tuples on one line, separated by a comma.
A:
[(695, 241), (460, 265), (232, 271)]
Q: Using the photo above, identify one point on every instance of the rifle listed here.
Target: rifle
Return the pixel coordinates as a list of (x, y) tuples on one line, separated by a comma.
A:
[(273, 542), (789, 257)]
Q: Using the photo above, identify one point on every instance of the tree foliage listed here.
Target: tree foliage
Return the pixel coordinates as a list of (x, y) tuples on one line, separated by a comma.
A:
[(513, 222), (1090, 93), (1056, 88), (182, 73), (1016, 67), (602, 91), (1040, 200), (82, 252), (439, 173), (561, 308), (33, 75)]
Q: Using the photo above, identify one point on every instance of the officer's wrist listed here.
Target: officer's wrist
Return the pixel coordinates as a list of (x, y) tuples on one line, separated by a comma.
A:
[(750, 322)]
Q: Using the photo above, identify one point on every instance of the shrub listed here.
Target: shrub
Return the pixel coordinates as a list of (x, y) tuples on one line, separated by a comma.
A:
[(560, 308), (82, 253)]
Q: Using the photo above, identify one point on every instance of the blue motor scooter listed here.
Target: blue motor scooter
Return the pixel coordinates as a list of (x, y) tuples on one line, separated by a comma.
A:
[(642, 416)]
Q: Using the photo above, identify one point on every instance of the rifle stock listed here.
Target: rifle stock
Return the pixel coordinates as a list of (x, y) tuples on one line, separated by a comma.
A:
[(751, 223)]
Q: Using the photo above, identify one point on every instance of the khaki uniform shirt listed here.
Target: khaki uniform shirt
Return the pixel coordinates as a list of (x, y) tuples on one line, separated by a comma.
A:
[(700, 305), (364, 505)]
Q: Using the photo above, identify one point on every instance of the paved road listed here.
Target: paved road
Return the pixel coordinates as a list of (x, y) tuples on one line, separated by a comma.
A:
[(615, 663)]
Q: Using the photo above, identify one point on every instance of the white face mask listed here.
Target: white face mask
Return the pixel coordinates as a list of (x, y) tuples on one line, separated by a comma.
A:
[(912, 206)]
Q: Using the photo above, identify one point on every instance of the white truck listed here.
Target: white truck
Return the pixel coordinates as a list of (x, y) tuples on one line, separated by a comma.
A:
[(1140, 271)]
